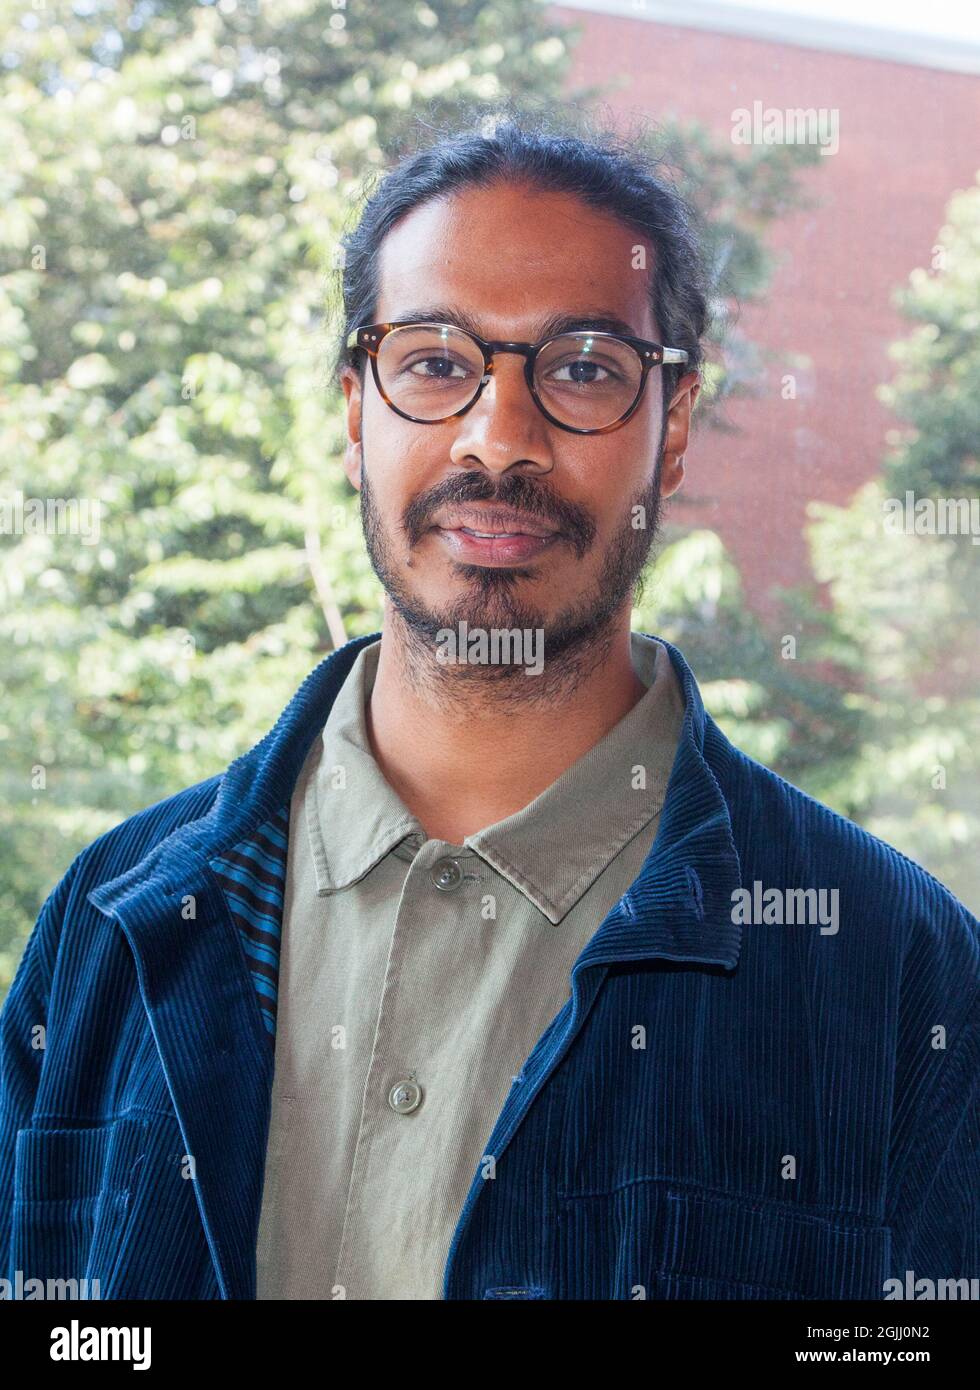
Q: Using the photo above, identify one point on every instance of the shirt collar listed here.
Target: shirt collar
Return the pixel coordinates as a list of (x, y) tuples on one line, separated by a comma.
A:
[(353, 816), (679, 908), (541, 849)]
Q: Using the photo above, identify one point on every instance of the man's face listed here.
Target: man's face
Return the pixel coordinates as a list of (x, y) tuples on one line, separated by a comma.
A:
[(510, 258)]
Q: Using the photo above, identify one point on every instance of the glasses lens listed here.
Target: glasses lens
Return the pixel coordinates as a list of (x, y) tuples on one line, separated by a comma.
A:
[(429, 370), (587, 381)]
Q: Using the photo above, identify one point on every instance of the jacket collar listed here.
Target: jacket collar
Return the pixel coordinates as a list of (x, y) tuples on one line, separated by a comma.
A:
[(679, 908), (196, 986)]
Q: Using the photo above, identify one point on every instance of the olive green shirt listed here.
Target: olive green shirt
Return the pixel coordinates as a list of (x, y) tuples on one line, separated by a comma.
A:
[(415, 979)]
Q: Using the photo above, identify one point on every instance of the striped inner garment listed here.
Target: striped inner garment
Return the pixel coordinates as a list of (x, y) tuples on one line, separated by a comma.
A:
[(253, 878)]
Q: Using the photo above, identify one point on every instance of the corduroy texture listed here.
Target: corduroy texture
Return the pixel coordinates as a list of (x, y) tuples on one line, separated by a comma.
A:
[(719, 1111)]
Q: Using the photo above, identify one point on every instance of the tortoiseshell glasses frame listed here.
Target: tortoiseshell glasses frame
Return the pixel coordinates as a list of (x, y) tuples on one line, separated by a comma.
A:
[(370, 336)]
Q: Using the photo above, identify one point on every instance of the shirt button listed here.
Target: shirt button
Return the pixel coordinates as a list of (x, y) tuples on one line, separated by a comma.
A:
[(446, 874), (405, 1096)]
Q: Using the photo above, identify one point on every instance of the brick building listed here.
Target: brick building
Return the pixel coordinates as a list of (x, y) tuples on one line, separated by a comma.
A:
[(908, 119)]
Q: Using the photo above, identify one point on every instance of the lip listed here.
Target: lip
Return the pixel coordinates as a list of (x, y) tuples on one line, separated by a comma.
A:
[(496, 519), (493, 550)]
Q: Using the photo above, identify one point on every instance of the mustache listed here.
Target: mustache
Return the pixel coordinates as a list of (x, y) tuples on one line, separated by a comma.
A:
[(516, 492)]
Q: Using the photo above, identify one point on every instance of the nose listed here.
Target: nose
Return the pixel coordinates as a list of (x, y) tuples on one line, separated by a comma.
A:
[(504, 427)]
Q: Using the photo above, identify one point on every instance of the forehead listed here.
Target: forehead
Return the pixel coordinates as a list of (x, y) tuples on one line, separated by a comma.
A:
[(511, 256)]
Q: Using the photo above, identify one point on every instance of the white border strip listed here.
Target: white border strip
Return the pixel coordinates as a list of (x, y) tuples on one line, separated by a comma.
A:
[(805, 31)]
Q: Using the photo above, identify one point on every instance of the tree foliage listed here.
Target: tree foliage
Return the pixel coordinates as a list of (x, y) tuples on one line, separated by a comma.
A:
[(866, 694), (176, 180)]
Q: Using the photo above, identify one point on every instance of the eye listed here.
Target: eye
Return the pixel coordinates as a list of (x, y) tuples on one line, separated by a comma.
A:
[(584, 371), (444, 368)]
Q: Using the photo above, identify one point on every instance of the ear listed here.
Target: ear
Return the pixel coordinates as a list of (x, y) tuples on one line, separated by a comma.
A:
[(678, 427), (351, 383)]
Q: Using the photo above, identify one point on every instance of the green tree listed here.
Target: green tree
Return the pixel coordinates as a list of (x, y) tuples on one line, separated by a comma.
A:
[(177, 179), (876, 709), (905, 604)]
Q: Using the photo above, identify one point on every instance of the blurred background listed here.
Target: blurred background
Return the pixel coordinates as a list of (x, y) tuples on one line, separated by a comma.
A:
[(178, 544)]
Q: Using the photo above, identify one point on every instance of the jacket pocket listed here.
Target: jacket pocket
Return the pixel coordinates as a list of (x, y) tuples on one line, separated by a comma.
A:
[(73, 1191), (736, 1248), (652, 1239)]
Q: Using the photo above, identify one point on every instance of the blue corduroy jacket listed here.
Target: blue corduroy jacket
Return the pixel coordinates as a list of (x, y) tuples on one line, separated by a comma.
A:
[(725, 1108)]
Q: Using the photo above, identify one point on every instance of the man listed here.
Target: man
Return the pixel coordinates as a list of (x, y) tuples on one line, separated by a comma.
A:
[(495, 971)]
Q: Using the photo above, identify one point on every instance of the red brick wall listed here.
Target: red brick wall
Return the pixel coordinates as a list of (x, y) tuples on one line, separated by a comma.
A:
[(908, 139)]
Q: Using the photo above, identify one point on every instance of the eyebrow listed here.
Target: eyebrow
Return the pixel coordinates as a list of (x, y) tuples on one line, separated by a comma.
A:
[(600, 322)]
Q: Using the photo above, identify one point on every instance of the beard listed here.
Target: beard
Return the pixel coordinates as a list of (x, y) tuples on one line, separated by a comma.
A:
[(576, 639)]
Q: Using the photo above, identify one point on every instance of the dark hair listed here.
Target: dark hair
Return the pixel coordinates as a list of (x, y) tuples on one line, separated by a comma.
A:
[(605, 173)]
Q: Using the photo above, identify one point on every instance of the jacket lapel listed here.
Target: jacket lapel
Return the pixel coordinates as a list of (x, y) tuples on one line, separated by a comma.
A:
[(678, 909), (680, 906), (215, 1053), (195, 983)]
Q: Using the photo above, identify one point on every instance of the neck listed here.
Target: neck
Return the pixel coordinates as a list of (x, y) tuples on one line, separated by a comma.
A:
[(467, 745)]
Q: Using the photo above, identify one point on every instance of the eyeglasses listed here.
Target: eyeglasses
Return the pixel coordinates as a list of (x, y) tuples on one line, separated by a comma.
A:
[(585, 382)]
